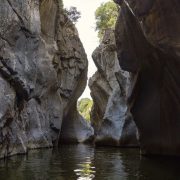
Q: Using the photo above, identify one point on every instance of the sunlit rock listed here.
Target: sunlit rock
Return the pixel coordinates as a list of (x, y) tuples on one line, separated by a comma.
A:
[(43, 71), (111, 120)]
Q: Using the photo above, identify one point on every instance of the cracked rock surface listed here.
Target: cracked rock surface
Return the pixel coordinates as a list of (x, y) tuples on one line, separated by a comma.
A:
[(112, 122), (43, 71)]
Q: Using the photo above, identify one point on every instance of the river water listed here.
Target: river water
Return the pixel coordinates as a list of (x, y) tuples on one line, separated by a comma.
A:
[(83, 162)]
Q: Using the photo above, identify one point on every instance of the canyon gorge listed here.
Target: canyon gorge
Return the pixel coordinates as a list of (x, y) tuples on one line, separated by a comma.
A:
[(43, 72)]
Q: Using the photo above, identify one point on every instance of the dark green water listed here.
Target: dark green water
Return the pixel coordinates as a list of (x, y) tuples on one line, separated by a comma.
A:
[(82, 162)]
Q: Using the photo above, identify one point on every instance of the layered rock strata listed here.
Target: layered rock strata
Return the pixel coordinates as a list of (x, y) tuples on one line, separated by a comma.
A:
[(110, 118), (148, 38), (43, 71)]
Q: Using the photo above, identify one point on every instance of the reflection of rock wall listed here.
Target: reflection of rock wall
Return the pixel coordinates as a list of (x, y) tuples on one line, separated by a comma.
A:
[(110, 118), (43, 71), (147, 35), (82, 160)]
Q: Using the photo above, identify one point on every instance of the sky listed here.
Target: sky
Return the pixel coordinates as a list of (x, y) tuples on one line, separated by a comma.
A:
[(86, 29)]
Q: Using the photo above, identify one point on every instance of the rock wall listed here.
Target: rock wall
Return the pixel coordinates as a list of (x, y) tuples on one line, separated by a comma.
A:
[(148, 38), (110, 117), (43, 71)]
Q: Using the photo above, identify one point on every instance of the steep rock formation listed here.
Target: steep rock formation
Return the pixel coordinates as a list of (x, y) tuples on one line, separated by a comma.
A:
[(111, 120), (148, 38), (43, 71)]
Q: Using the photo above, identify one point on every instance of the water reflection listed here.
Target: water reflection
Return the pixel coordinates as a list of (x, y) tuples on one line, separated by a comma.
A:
[(85, 170), (82, 162)]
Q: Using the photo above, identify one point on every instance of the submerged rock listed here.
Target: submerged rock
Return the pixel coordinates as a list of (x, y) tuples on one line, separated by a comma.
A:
[(43, 71), (111, 120), (147, 36)]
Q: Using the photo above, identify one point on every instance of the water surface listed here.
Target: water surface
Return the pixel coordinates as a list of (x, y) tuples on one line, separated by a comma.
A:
[(83, 162)]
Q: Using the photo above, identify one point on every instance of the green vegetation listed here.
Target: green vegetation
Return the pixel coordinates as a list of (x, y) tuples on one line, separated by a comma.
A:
[(106, 16), (73, 14), (84, 107)]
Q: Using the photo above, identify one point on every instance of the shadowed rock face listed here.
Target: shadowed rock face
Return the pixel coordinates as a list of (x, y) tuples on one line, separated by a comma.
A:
[(111, 120), (147, 37), (43, 71)]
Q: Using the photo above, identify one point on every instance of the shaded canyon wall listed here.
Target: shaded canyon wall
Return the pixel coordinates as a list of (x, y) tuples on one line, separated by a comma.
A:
[(148, 39)]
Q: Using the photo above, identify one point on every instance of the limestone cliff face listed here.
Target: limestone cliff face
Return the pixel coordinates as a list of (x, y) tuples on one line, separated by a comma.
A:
[(111, 120), (148, 38), (43, 71)]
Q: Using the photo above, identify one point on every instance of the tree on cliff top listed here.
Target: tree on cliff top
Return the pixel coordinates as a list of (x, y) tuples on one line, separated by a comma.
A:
[(73, 14), (106, 16)]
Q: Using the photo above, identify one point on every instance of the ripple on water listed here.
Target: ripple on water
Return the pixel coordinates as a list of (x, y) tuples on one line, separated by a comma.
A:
[(82, 162)]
